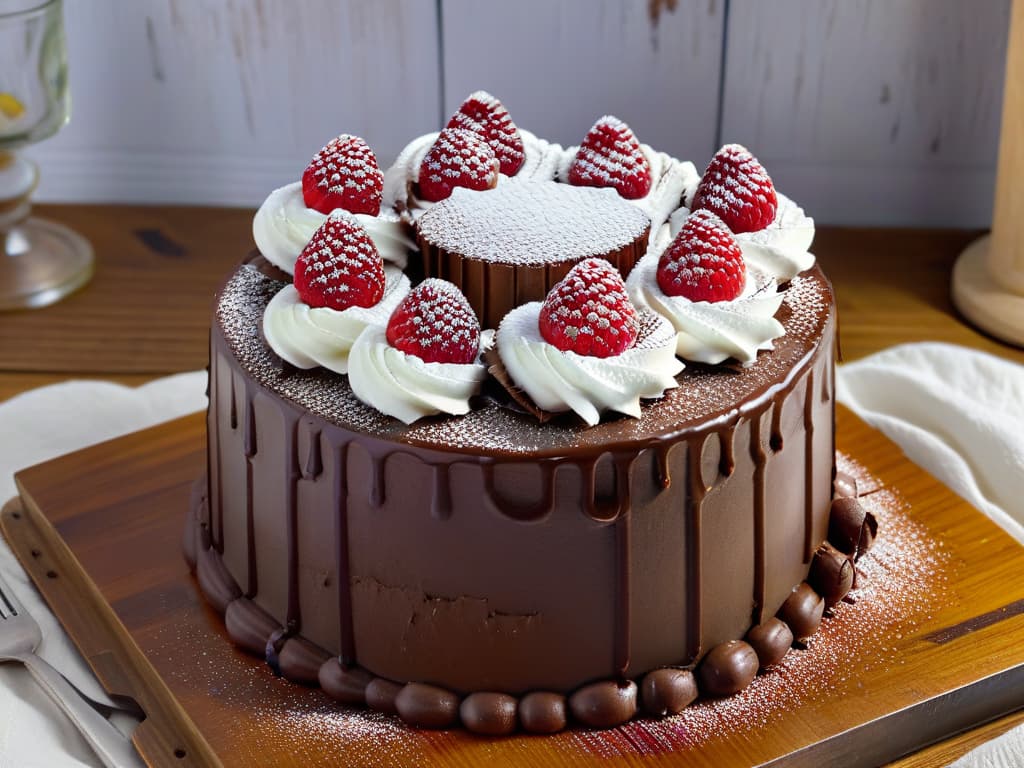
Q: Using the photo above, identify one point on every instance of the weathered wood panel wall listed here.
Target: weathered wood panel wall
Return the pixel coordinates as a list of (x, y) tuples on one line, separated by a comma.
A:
[(868, 111)]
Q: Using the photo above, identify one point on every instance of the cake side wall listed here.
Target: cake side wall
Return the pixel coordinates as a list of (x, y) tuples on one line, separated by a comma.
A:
[(476, 574)]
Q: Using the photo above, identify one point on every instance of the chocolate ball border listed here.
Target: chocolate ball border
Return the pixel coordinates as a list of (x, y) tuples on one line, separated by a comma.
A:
[(725, 669)]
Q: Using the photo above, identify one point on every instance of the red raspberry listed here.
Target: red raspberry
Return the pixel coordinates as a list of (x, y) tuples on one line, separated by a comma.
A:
[(340, 266), (610, 156), (588, 312), (704, 262), (344, 174), (737, 188), (458, 158), (487, 117), (435, 323)]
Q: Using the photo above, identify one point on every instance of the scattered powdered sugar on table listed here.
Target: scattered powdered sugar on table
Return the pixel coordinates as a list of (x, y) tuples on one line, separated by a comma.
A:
[(898, 582), (272, 717)]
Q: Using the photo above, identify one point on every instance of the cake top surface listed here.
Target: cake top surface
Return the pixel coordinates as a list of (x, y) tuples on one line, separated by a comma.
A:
[(707, 396), (533, 223)]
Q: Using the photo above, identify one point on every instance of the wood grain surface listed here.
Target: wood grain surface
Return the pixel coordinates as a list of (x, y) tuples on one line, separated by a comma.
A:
[(147, 309), (112, 554)]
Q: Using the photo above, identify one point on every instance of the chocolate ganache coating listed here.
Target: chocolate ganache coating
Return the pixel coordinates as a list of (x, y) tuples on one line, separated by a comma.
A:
[(490, 553)]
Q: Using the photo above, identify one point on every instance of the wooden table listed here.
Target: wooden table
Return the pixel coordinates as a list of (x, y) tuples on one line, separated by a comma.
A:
[(147, 311)]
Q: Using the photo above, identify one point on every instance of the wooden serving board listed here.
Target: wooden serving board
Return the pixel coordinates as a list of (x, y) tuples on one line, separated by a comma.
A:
[(934, 643)]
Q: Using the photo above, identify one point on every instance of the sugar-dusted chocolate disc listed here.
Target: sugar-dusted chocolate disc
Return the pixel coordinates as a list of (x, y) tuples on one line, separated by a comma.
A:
[(511, 244)]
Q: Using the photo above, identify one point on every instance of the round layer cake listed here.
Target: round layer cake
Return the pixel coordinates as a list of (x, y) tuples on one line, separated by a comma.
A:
[(504, 556), (491, 552)]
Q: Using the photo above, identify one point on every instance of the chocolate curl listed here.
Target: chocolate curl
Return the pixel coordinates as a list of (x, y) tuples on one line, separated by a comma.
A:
[(832, 574), (845, 486), (851, 528), (497, 369)]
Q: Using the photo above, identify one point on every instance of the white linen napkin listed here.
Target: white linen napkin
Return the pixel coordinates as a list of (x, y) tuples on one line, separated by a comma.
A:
[(36, 426), (956, 412)]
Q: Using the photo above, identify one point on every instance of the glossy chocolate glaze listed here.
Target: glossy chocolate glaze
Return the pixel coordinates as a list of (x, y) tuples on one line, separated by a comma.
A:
[(490, 553), (667, 691), (771, 641), (729, 668)]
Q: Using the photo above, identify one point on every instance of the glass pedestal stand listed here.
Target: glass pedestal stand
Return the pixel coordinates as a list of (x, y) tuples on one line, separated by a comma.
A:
[(40, 261)]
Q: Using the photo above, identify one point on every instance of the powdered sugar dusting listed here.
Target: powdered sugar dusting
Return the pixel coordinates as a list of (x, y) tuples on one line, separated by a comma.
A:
[(737, 188), (533, 223), (277, 720), (610, 156), (703, 263), (344, 174), (487, 117), (703, 391)]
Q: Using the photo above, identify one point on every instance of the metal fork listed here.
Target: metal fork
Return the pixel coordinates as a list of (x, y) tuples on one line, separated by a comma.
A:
[(19, 638)]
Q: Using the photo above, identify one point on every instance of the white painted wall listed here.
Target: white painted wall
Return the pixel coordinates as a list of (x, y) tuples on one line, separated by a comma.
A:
[(558, 65), (219, 101), (880, 111), (867, 111)]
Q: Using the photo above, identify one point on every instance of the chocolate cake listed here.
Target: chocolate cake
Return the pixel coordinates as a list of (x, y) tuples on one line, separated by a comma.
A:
[(481, 565)]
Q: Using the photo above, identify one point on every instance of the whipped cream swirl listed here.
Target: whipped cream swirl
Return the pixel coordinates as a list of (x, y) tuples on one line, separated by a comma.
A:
[(562, 381), (284, 225), (310, 336), (711, 332), (404, 386), (781, 249)]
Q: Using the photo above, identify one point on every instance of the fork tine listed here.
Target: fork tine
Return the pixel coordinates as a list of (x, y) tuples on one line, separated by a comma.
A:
[(9, 605)]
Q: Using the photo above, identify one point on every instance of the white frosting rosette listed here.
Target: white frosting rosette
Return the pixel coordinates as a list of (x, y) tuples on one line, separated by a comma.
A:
[(781, 249), (406, 387), (308, 336), (712, 332), (283, 226), (559, 381)]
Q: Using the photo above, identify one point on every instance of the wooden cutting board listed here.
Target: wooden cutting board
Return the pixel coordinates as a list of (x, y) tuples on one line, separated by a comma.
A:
[(933, 645)]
